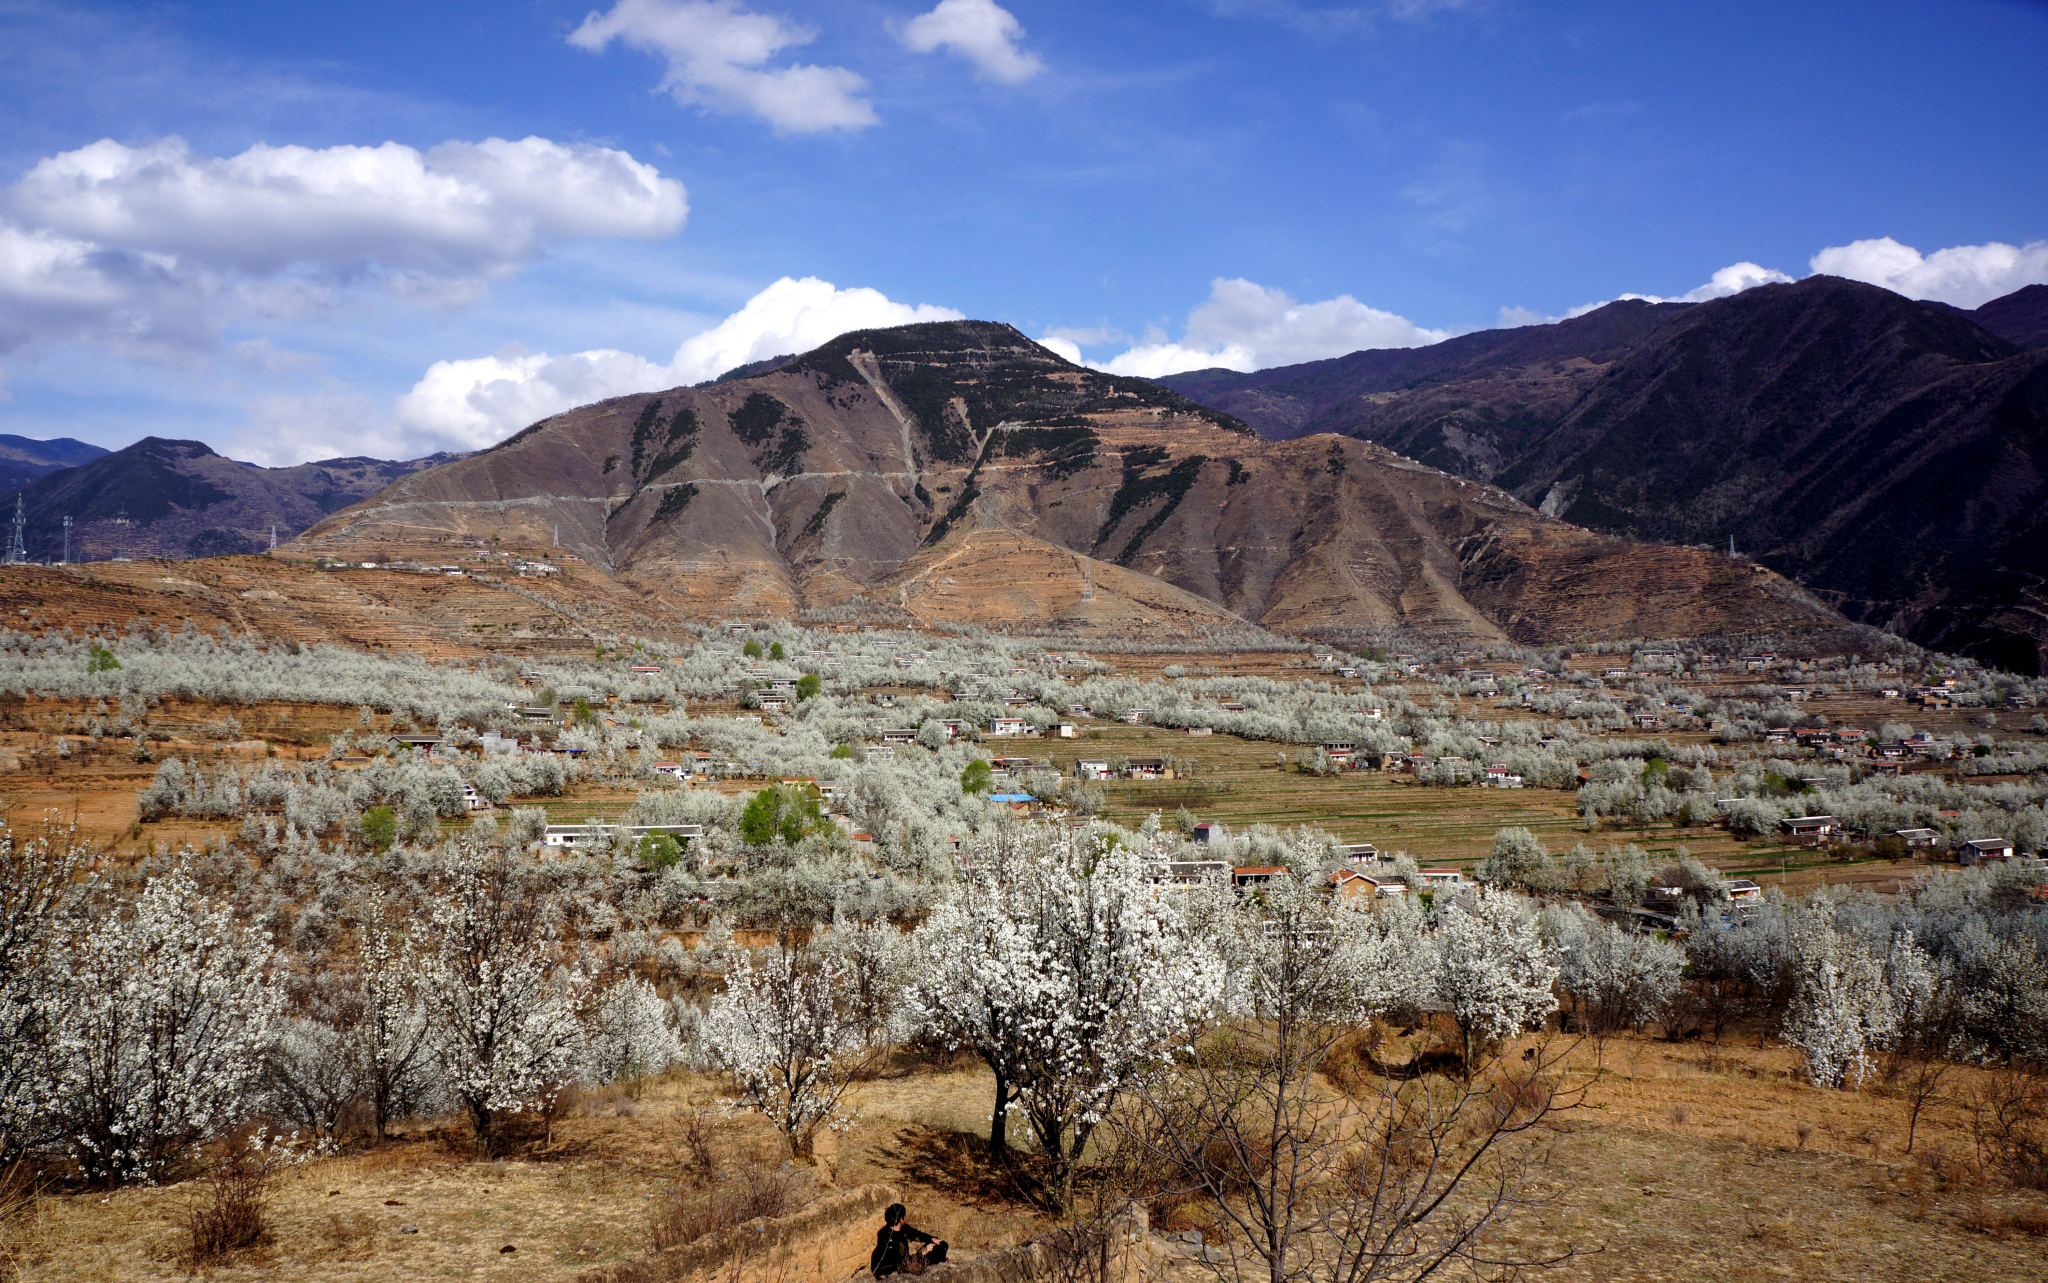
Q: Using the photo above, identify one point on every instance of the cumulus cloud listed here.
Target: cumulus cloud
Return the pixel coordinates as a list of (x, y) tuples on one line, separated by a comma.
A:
[(460, 208), (145, 306), (1247, 326), (1730, 280), (717, 55), (1962, 275), (468, 404), (147, 249), (981, 31)]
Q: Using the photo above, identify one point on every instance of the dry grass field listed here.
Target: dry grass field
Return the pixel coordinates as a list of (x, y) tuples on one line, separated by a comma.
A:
[(1686, 1161)]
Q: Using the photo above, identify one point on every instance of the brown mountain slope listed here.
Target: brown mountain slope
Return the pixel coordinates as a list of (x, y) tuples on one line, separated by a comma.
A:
[(2020, 318), (1467, 404), (1891, 455), (961, 472)]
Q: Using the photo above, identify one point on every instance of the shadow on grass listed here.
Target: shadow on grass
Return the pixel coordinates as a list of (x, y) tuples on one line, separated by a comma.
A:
[(959, 1163)]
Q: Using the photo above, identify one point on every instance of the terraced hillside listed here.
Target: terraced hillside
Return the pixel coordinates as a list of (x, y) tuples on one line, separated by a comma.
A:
[(961, 472)]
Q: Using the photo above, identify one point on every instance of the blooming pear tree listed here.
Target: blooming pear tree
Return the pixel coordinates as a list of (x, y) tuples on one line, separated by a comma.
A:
[(1494, 971), (1063, 970), (1117, 985), (1852, 999), (158, 1022), (35, 891), (503, 1013), (1619, 979), (790, 1031), (632, 1033)]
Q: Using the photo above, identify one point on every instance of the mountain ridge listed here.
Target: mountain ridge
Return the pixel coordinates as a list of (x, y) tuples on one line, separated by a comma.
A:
[(1885, 452), (960, 471), (183, 499)]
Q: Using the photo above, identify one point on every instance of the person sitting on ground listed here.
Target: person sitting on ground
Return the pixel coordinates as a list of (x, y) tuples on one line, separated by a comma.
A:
[(893, 1245)]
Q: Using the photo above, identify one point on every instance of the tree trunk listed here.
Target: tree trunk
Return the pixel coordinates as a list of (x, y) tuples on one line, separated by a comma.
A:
[(480, 1119), (999, 1120)]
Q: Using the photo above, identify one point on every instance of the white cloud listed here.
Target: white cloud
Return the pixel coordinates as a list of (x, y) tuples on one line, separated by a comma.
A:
[(1246, 326), (146, 249), (981, 31), (1962, 275), (458, 209), (1066, 348), (140, 305), (469, 404), (1730, 280), (289, 428), (793, 316), (716, 53)]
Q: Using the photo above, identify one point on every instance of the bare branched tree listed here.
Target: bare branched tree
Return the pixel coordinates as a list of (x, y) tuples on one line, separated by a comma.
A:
[(1400, 1178)]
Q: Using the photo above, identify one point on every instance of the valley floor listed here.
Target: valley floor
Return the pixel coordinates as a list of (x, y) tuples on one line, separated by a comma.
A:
[(1687, 1161)]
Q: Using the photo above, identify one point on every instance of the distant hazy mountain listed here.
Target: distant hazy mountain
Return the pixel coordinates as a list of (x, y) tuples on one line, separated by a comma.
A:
[(183, 500), (1889, 454), (23, 459)]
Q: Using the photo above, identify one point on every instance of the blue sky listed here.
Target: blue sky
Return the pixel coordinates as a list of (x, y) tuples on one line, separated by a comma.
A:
[(299, 231)]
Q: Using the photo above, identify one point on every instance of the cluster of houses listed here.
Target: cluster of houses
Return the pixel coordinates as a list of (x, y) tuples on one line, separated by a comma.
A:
[(1826, 830), (525, 569)]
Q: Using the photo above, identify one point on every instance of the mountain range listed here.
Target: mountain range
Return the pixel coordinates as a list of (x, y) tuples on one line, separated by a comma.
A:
[(1889, 455), (163, 498), (23, 460), (1794, 454), (959, 471)]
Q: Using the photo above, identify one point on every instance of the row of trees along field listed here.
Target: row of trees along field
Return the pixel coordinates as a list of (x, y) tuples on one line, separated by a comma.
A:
[(1183, 1030)]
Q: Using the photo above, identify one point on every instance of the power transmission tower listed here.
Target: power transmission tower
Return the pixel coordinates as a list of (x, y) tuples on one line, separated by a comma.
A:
[(1087, 582), (273, 536), (121, 534), (17, 547), (67, 540)]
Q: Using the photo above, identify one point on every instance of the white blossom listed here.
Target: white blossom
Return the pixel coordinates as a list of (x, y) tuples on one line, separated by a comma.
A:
[(159, 1023)]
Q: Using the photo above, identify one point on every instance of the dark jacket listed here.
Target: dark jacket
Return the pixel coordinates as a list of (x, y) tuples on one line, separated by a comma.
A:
[(891, 1246)]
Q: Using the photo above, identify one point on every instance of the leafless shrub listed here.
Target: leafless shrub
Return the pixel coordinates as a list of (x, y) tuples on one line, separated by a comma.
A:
[(2009, 1122), (747, 1193), (226, 1216), (696, 1133), (1403, 1179), (1999, 1224)]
